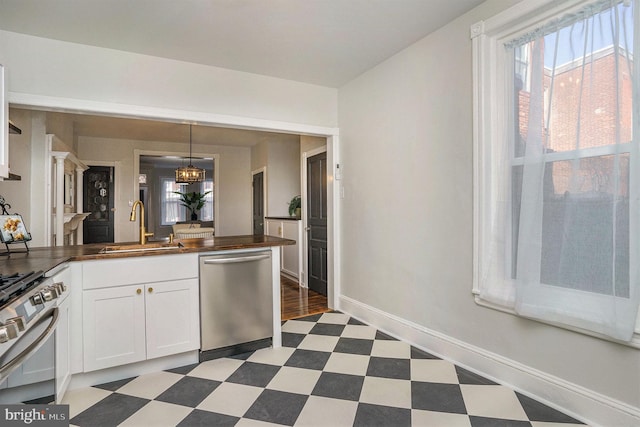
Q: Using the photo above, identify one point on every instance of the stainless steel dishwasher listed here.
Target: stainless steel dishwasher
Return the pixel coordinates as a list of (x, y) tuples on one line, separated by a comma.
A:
[(236, 303)]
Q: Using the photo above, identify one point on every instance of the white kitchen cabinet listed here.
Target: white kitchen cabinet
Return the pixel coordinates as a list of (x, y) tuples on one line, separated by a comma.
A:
[(63, 274), (138, 309), (291, 261), (127, 324), (272, 227), (106, 273), (114, 327), (63, 348), (172, 317), (76, 339)]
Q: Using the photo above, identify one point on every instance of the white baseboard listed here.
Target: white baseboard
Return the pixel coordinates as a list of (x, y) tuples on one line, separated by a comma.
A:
[(576, 401), (291, 276)]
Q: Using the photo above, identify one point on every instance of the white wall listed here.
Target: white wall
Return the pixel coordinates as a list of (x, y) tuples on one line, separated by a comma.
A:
[(283, 175), (406, 157), (234, 185), (50, 73), (62, 127), (308, 143), (280, 155), (45, 67)]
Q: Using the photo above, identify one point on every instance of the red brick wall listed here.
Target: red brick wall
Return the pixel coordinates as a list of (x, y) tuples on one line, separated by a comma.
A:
[(596, 109), (594, 92)]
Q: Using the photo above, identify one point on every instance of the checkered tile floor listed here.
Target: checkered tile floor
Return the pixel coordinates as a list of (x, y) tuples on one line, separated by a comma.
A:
[(331, 371)]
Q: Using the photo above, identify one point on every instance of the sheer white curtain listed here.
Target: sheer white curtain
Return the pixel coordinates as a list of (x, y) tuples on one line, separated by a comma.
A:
[(171, 209), (564, 227)]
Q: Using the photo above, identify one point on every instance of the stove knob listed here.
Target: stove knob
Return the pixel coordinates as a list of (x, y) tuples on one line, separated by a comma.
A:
[(55, 291), (8, 332), (60, 287), (4, 334), (13, 328), (19, 321), (48, 294), (37, 299)]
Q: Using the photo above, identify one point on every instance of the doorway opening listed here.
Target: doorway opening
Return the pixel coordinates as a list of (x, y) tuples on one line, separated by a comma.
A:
[(259, 198), (98, 200), (315, 296), (316, 220)]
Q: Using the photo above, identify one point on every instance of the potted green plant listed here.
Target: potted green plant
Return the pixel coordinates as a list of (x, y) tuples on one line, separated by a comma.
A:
[(295, 206), (193, 201)]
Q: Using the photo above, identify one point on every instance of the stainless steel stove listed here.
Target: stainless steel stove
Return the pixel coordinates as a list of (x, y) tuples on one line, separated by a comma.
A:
[(28, 320)]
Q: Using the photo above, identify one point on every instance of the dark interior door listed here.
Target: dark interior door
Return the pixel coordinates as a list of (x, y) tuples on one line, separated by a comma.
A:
[(258, 203), (98, 200), (317, 222)]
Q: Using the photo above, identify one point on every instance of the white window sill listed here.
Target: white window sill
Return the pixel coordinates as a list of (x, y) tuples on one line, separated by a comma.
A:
[(634, 343)]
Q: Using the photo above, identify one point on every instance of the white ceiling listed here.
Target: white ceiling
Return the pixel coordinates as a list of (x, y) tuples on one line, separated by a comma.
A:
[(324, 42)]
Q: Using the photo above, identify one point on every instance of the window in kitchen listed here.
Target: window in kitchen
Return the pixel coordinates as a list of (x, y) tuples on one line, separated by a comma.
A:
[(556, 203), (206, 214), (172, 210)]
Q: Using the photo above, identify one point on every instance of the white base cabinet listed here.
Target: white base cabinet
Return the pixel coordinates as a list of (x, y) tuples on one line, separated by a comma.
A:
[(139, 310), (291, 260), (128, 324), (63, 348), (172, 314), (114, 327)]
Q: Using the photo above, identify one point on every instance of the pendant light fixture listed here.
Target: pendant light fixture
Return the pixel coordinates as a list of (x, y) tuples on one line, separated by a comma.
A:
[(189, 174)]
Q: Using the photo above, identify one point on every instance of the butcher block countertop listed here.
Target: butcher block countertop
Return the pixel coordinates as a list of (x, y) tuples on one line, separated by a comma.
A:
[(46, 258)]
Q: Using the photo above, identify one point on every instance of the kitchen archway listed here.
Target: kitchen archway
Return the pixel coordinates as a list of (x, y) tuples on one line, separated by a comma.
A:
[(71, 105)]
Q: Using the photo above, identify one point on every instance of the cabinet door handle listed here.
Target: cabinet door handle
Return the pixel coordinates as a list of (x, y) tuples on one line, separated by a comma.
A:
[(150, 290), (138, 291)]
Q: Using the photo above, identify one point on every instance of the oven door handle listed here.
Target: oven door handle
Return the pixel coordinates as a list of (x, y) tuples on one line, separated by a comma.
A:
[(8, 367)]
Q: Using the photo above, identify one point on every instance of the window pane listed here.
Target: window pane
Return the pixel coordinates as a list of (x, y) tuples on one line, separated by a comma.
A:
[(574, 118), (581, 99), (171, 210), (585, 240), (207, 210)]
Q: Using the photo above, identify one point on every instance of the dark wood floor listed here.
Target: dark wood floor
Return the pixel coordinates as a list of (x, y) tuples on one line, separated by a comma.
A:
[(296, 301)]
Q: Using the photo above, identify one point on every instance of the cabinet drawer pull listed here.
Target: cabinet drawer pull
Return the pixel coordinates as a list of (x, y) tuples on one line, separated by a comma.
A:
[(138, 291), (150, 290)]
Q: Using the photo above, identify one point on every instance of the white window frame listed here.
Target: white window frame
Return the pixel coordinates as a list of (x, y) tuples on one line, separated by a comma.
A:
[(163, 203), (490, 115), (209, 198)]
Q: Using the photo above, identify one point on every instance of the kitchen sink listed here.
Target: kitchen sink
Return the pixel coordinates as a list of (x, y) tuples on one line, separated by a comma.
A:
[(155, 246)]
